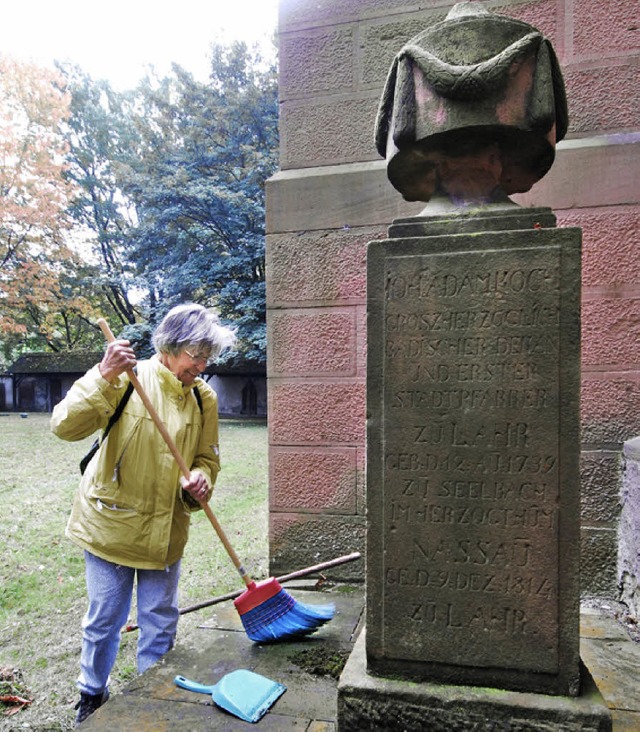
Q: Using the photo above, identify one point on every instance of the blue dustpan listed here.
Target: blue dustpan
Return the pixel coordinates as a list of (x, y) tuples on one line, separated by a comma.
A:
[(243, 693)]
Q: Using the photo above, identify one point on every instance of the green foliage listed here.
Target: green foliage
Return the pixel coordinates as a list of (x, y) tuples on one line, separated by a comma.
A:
[(139, 334), (199, 191), (102, 141)]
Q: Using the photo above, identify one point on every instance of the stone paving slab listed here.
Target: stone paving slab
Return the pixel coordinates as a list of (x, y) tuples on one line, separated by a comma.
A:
[(153, 702), (613, 658), (625, 721), (593, 624), (126, 712), (616, 666), (220, 645)]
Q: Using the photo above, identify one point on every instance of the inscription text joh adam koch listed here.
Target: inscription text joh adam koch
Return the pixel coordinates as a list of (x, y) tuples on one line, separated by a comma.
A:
[(471, 464)]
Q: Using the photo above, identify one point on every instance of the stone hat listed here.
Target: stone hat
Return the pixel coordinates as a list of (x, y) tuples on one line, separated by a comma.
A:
[(472, 81)]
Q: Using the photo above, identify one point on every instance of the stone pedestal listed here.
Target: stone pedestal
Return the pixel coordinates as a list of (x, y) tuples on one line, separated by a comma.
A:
[(367, 702), (473, 510), (473, 447)]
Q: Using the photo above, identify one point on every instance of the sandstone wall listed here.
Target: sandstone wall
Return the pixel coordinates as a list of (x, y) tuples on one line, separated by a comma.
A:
[(332, 197)]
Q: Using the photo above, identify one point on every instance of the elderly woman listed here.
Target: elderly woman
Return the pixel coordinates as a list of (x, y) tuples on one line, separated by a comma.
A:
[(131, 513)]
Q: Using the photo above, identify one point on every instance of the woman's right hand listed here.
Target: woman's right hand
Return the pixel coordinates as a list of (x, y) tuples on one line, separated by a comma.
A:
[(118, 358)]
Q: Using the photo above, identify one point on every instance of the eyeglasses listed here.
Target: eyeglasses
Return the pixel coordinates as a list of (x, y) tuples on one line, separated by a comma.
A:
[(200, 357)]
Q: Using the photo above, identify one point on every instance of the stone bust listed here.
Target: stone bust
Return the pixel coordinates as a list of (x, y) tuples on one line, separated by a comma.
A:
[(472, 109)]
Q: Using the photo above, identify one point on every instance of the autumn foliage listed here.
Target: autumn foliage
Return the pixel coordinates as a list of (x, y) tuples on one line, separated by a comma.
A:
[(36, 260)]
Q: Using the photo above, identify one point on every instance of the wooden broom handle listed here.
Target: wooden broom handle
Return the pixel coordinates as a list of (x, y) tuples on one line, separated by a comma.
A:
[(104, 327)]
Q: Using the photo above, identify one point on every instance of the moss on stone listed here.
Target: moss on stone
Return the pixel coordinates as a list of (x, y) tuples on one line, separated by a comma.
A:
[(320, 661)]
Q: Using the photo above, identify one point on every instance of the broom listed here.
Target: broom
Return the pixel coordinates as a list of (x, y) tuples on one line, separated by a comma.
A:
[(316, 568), (267, 611)]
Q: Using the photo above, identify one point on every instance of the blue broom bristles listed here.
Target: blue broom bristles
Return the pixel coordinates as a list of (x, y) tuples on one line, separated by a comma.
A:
[(282, 617)]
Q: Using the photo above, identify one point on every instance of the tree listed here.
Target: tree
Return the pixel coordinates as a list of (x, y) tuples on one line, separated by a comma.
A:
[(199, 190), (102, 140), (36, 262)]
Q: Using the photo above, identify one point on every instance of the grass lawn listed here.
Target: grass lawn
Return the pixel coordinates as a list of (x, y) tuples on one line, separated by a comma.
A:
[(42, 593)]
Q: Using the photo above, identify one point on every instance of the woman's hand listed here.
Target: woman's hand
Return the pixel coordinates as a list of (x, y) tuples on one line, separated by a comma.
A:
[(118, 358), (197, 486)]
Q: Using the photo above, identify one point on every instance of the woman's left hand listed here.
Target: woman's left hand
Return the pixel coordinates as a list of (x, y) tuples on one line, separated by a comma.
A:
[(196, 486)]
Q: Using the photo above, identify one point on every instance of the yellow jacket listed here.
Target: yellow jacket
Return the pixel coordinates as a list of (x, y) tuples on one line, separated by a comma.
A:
[(130, 508)]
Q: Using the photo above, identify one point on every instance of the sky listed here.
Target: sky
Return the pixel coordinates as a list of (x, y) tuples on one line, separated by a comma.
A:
[(119, 40)]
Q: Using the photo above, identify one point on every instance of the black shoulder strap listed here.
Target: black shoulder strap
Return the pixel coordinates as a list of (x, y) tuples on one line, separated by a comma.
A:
[(118, 411), (196, 394), (123, 403), (112, 420)]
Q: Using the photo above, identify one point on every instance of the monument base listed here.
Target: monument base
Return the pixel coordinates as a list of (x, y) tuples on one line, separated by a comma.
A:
[(367, 702)]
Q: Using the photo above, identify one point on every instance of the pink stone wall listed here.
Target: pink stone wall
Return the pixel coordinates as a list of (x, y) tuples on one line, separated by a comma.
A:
[(316, 370), (332, 197)]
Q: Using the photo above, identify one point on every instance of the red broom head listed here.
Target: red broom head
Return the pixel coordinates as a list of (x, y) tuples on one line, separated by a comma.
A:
[(256, 594)]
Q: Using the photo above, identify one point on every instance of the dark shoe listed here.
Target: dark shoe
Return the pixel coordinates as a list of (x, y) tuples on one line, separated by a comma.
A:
[(88, 704)]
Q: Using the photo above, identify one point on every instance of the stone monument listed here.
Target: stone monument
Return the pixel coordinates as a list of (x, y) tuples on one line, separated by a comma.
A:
[(473, 381)]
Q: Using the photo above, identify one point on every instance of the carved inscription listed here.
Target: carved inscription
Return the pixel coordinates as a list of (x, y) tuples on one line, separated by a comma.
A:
[(471, 347)]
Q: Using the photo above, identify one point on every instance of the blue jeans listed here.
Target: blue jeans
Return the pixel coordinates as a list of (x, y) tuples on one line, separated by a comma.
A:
[(110, 588)]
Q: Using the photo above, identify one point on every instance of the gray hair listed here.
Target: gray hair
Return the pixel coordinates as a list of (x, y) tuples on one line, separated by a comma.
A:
[(192, 325)]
